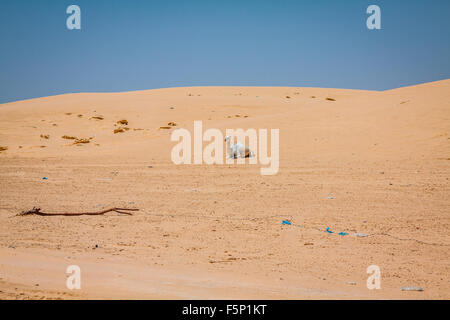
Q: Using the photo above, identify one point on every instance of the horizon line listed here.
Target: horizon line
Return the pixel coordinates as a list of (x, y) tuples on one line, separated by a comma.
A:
[(217, 86)]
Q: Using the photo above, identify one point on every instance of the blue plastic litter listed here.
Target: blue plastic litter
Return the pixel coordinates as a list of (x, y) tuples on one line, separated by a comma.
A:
[(44, 178), (326, 230)]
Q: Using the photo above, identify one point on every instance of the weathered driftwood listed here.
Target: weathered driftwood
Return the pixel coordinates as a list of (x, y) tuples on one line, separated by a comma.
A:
[(37, 211)]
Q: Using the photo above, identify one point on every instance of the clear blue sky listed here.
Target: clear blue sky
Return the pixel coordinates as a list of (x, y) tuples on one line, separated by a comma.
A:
[(135, 44)]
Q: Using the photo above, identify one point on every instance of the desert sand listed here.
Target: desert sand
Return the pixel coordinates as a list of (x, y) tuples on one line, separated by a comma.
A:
[(358, 162)]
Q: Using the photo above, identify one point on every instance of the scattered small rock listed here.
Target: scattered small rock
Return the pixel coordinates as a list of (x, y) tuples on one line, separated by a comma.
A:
[(412, 289), (68, 137), (330, 99), (352, 283), (82, 141), (361, 235)]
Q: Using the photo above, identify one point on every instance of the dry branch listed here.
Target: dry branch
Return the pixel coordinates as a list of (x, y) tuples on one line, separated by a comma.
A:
[(37, 211)]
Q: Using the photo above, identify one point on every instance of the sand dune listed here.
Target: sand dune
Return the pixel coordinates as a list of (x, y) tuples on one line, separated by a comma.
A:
[(359, 161)]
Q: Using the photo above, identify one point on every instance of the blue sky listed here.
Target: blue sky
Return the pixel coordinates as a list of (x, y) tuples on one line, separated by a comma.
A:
[(135, 44)]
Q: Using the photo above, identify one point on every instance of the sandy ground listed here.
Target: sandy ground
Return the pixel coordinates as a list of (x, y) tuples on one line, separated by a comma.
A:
[(368, 162)]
